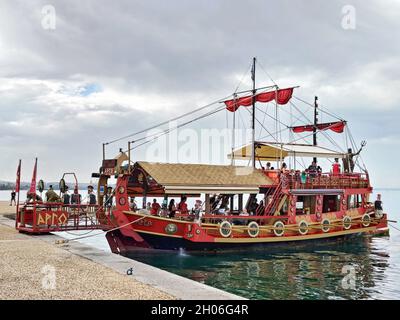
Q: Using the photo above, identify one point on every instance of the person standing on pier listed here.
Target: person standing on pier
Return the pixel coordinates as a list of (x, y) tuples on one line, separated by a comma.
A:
[(13, 194)]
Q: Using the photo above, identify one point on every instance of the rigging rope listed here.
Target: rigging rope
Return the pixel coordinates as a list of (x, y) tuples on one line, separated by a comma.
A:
[(168, 121), (167, 131)]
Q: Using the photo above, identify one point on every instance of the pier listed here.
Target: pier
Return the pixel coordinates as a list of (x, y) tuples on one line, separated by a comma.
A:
[(29, 264)]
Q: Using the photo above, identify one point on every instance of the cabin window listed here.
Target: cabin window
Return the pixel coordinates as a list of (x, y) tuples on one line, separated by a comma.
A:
[(331, 204), (354, 201), (305, 205)]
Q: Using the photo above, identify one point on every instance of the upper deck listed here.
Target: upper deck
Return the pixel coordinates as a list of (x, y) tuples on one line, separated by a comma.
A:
[(299, 180)]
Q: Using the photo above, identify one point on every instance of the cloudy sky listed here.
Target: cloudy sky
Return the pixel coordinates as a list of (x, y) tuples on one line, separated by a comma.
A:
[(110, 68)]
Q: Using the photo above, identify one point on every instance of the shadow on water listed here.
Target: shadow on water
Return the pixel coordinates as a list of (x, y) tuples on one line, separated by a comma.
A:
[(323, 272)]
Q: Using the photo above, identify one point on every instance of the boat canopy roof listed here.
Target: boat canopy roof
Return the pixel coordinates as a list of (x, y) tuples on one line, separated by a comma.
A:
[(176, 178), (270, 151)]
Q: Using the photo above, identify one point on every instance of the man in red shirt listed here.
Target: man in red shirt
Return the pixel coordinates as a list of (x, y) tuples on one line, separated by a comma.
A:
[(155, 207), (336, 167)]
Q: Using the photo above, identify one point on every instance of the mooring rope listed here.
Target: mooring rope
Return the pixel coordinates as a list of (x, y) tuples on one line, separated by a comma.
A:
[(97, 234)]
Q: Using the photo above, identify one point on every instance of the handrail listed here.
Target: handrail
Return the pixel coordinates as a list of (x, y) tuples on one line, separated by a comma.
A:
[(325, 180)]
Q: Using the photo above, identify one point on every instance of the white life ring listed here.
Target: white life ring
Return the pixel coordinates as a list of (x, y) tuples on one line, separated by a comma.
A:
[(346, 222), (366, 220), (326, 225), (279, 228), (253, 229), (225, 229), (303, 227)]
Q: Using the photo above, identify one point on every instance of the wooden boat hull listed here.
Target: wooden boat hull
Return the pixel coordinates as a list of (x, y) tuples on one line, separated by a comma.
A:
[(145, 231)]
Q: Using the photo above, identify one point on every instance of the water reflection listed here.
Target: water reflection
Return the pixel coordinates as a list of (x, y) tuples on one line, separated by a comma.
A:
[(289, 274)]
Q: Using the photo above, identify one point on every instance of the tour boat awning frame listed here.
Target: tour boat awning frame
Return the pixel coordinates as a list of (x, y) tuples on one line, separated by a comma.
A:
[(271, 151)]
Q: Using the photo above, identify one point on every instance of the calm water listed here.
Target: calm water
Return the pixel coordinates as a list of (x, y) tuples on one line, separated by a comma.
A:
[(315, 273), (302, 274)]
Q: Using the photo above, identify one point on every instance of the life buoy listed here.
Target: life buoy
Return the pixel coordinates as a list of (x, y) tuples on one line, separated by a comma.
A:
[(225, 229), (253, 229), (326, 225), (366, 220), (279, 228), (303, 227), (346, 222)]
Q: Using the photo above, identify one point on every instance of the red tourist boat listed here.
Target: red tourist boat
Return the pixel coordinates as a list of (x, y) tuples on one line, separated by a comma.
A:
[(298, 206)]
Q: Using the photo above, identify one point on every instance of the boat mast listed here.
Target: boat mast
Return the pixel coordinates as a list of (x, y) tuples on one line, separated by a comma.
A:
[(315, 123), (253, 122)]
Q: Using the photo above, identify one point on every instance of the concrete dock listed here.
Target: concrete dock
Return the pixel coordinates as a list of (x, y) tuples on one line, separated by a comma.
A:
[(35, 267)]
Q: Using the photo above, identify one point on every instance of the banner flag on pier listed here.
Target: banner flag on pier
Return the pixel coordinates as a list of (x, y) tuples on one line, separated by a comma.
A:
[(32, 189), (18, 180), (281, 96), (337, 127)]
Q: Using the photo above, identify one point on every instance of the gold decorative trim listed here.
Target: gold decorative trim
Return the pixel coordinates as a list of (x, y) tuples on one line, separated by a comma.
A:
[(294, 238)]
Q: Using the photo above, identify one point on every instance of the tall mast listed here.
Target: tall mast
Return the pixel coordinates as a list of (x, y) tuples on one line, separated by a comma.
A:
[(253, 122), (315, 123)]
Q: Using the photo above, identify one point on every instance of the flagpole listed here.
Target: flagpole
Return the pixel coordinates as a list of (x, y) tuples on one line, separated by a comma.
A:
[(253, 118), (19, 190)]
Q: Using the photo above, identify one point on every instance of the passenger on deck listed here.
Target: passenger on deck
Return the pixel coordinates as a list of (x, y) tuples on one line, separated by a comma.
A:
[(66, 196), (155, 207), (182, 206), (172, 208), (132, 204), (378, 207), (76, 197), (148, 206), (284, 168), (336, 167), (260, 209), (268, 167), (91, 196), (314, 169), (51, 196), (253, 207)]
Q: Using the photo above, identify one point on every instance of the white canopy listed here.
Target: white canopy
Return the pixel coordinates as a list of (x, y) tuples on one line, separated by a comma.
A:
[(270, 151)]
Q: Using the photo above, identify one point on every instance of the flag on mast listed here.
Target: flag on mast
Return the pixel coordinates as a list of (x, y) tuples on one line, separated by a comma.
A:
[(32, 189), (18, 180)]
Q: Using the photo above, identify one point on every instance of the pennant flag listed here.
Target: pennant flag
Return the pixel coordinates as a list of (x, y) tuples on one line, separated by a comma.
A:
[(32, 189), (18, 180)]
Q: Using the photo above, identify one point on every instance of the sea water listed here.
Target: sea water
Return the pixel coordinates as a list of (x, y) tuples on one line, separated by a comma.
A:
[(364, 268)]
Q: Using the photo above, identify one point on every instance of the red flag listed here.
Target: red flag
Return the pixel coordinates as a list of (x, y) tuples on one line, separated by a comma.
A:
[(18, 181), (33, 182)]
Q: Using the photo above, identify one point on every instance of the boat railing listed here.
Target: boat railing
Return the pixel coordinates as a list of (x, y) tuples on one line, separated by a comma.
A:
[(298, 180), (39, 217)]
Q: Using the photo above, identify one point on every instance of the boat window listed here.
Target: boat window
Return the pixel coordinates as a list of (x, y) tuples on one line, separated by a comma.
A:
[(305, 205), (331, 204)]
